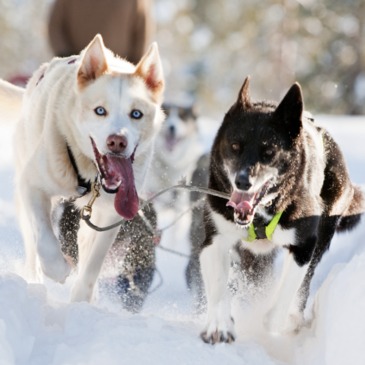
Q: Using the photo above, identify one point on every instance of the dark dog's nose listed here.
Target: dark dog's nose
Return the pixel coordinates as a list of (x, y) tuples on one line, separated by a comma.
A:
[(116, 143), (243, 181)]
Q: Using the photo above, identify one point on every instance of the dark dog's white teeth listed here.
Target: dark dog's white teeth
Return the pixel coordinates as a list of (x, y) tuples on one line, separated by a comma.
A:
[(239, 225), (242, 223), (262, 193)]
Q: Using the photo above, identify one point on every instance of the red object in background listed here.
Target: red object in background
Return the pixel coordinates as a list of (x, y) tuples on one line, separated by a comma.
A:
[(18, 80)]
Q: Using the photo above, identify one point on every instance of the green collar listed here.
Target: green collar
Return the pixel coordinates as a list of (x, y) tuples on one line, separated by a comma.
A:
[(268, 231)]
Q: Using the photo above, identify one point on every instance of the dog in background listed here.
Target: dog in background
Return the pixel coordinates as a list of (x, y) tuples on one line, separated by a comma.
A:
[(178, 148), (289, 189)]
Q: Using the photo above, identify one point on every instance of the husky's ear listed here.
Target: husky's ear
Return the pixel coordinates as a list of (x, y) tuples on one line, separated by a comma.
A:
[(93, 62), (289, 111), (244, 94), (149, 69)]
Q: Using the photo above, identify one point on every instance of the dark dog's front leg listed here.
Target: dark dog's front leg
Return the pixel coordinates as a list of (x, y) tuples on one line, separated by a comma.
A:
[(314, 238), (286, 315), (327, 229), (215, 263)]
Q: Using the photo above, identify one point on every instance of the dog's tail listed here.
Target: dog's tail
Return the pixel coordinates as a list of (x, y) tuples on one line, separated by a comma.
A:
[(11, 97), (355, 210)]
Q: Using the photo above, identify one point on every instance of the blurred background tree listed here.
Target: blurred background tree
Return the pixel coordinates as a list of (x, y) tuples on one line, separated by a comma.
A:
[(209, 46)]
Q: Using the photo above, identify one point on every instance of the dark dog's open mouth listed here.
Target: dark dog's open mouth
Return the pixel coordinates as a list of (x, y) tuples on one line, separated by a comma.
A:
[(244, 204), (117, 178)]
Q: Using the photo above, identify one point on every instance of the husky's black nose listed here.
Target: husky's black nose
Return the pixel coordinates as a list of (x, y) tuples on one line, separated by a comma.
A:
[(242, 181), (116, 143)]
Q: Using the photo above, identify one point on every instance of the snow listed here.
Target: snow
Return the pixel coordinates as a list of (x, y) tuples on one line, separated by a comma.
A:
[(38, 325)]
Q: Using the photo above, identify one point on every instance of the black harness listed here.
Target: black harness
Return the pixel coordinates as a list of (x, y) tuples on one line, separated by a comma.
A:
[(83, 186)]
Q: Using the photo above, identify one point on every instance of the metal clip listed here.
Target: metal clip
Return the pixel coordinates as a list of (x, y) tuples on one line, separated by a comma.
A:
[(87, 209)]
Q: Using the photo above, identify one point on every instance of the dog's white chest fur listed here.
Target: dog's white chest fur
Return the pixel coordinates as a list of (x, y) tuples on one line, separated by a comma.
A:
[(233, 233)]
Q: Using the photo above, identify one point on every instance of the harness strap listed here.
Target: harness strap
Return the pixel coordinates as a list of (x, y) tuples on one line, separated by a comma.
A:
[(83, 186), (263, 232)]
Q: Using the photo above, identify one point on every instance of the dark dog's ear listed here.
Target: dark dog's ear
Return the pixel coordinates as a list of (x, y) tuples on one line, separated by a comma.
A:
[(289, 112), (244, 94)]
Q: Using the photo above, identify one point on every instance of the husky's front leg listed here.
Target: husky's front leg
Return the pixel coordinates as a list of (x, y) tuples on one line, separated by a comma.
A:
[(215, 264), (93, 247), (34, 208)]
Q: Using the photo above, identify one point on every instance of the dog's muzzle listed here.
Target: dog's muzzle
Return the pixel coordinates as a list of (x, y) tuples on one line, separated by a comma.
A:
[(116, 174), (245, 204)]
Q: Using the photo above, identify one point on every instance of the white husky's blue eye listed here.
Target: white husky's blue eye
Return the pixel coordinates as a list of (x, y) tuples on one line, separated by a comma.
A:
[(100, 111), (136, 114)]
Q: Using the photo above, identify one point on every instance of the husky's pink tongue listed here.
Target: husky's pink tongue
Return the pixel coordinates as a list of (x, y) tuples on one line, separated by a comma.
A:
[(126, 201)]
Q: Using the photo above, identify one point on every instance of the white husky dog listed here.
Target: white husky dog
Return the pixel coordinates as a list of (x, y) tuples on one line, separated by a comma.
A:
[(84, 118)]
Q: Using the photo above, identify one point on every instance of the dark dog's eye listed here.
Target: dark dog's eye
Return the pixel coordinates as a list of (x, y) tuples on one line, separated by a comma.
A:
[(235, 147), (100, 111), (268, 153), (136, 114)]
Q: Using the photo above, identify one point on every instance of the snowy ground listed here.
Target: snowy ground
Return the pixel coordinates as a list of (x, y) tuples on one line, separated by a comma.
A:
[(39, 327)]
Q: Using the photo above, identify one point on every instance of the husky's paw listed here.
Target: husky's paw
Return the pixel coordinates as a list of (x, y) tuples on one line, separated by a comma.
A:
[(216, 333), (57, 270), (217, 336)]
